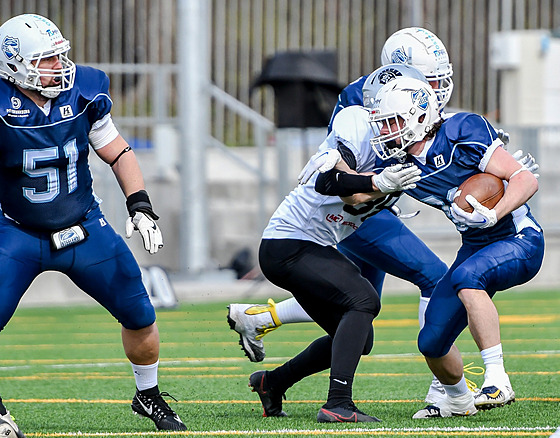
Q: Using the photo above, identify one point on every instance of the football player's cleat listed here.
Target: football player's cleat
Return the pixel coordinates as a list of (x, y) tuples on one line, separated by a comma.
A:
[(271, 400), (494, 396), (436, 392), (348, 414), (252, 322), (156, 409), (8, 426), (462, 406)]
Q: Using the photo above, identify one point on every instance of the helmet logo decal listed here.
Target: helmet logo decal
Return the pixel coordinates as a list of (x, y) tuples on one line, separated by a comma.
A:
[(388, 75), (420, 99), (399, 56), (10, 47)]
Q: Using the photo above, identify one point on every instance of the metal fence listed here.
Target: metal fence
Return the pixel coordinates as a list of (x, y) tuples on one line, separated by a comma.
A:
[(136, 42), (132, 34)]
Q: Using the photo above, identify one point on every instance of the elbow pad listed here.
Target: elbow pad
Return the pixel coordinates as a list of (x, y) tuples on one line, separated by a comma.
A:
[(338, 183)]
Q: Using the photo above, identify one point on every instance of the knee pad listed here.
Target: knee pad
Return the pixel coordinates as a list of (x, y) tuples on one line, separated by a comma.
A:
[(431, 344), (139, 316), (464, 278), (367, 302)]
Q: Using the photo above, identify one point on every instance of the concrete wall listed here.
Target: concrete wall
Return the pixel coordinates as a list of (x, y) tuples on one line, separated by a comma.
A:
[(233, 207)]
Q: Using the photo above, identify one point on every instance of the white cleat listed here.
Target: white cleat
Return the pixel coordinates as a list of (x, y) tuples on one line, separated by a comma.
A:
[(252, 322), (436, 392), (494, 395), (9, 426), (462, 406)]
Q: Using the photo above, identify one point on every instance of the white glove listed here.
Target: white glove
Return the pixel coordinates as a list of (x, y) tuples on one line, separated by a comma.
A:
[(504, 136), (527, 161), (150, 232), (322, 162), (481, 217), (396, 178)]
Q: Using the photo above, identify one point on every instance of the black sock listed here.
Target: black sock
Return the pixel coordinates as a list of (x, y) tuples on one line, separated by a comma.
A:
[(352, 334), (3, 410), (314, 359), (340, 392)]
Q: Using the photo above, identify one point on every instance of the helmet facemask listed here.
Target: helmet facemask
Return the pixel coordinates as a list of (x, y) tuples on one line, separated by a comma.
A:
[(445, 88), (64, 75)]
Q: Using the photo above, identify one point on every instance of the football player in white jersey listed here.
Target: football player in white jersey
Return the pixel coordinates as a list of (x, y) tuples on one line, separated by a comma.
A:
[(297, 253)]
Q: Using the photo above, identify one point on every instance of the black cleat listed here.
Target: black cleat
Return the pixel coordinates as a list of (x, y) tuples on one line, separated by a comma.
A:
[(156, 409), (348, 414), (271, 400)]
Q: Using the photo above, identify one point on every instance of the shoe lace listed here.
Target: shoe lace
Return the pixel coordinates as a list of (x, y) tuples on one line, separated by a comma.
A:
[(264, 330), (163, 409), (475, 370)]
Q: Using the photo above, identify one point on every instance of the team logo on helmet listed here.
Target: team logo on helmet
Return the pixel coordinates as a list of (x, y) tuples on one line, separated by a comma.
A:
[(399, 56), (10, 47), (388, 75), (420, 99)]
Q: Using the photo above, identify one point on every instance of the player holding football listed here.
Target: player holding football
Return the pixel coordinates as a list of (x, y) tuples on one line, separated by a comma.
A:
[(52, 111), (383, 244), (501, 247)]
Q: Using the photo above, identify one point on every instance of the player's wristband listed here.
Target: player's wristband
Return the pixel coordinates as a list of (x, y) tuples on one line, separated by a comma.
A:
[(140, 201)]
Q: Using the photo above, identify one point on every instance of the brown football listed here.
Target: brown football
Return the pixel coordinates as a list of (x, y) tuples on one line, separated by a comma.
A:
[(485, 187)]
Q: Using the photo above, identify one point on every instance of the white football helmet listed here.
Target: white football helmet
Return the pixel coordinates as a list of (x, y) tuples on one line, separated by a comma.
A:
[(422, 49), (412, 105), (385, 74), (26, 40)]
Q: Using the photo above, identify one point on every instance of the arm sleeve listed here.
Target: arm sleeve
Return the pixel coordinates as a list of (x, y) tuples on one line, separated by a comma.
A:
[(338, 183), (102, 132)]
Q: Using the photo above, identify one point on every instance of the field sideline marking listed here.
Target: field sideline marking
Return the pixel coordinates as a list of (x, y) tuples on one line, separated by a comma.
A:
[(227, 402), (62, 363), (113, 376), (384, 431)]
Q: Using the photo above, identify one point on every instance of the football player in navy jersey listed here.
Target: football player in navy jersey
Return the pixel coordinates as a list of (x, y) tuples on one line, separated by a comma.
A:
[(297, 254), (52, 112), (501, 247)]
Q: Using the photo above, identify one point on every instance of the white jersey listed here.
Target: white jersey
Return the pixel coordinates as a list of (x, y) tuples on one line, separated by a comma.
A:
[(307, 215)]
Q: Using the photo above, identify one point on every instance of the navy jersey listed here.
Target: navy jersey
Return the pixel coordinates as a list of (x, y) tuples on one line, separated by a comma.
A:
[(350, 95), (461, 148), (44, 172)]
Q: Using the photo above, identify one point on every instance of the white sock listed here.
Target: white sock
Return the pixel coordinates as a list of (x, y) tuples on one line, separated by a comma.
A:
[(289, 311), (493, 359), (458, 389), (422, 311), (146, 376)]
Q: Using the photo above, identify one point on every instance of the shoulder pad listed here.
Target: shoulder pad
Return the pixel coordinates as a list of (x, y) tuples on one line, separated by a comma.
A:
[(90, 82)]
